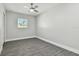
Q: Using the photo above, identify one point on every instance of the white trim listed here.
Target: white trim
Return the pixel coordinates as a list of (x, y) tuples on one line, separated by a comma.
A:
[(60, 45), (19, 38)]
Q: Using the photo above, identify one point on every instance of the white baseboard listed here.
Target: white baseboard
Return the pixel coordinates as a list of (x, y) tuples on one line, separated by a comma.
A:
[(60, 45), (19, 38)]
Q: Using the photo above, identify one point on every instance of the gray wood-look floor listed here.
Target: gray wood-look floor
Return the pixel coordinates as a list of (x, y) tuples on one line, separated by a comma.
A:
[(33, 47)]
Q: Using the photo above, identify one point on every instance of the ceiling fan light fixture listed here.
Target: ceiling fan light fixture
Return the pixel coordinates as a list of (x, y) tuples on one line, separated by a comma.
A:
[(31, 10)]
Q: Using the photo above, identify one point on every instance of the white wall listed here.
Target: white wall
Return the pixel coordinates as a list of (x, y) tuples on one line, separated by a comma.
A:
[(2, 12), (12, 31), (60, 25)]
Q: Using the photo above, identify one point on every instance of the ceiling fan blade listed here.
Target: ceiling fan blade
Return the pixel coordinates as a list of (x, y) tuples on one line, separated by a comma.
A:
[(26, 7), (36, 10), (36, 6)]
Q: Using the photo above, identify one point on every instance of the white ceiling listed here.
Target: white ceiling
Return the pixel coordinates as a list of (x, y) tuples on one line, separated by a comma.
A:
[(19, 7)]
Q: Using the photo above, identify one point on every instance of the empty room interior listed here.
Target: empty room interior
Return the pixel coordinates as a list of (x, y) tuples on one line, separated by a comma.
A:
[(39, 29)]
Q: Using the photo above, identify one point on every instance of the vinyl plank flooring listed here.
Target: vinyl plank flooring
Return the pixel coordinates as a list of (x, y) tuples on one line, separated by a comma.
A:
[(67, 53), (33, 47)]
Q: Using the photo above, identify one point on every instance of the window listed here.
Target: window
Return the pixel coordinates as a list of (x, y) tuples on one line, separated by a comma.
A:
[(22, 23)]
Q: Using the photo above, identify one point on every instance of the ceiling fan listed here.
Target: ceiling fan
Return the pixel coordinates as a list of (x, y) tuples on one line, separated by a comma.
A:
[(32, 8)]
